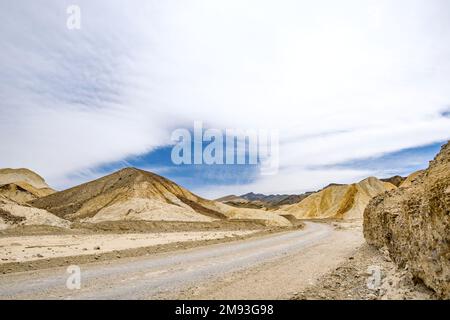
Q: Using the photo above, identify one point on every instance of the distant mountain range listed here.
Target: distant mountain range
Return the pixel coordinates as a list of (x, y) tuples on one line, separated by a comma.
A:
[(262, 201), (276, 201)]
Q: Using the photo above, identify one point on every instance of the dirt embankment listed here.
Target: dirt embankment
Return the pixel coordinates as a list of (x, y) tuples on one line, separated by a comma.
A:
[(413, 224)]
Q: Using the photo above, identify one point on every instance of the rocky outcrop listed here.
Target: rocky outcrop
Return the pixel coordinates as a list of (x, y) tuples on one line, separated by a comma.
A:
[(413, 224)]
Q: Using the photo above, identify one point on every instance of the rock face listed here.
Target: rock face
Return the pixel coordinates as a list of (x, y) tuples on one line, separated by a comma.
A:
[(413, 224), (338, 201), (22, 185), (133, 194)]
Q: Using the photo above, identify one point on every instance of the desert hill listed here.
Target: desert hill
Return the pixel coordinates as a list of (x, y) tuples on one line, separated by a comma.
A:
[(22, 185), (338, 201), (395, 180), (133, 194)]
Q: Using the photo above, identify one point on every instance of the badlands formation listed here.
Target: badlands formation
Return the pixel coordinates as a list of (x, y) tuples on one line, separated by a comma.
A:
[(133, 194), (17, 186), (338, 201)]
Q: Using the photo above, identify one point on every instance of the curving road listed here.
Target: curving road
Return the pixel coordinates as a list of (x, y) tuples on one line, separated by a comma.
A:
[(169, 275)]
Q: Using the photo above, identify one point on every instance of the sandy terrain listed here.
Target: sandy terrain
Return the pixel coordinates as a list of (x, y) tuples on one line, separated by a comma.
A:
[(30, 248)]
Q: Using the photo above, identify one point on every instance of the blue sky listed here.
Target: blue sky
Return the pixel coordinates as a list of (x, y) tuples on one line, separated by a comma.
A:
[(354, 88), (191, 176), (199, 177), (402, 162)]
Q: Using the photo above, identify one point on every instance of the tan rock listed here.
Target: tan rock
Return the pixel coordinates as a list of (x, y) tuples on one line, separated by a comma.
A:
[(22, 185), (413, 223)]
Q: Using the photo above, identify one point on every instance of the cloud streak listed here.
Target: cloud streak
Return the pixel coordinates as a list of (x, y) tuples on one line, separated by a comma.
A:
[(339, 81)]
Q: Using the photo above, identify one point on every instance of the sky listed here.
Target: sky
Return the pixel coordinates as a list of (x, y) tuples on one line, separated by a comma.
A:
[(354, 88)]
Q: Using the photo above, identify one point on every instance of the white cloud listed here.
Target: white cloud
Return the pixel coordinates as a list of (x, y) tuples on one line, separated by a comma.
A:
[(339, 80)]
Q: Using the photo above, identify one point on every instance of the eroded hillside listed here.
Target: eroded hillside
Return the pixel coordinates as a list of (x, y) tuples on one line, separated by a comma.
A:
[(338, 201)]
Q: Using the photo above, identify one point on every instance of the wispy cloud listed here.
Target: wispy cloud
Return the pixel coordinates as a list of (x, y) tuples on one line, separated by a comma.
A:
[(340, 81)]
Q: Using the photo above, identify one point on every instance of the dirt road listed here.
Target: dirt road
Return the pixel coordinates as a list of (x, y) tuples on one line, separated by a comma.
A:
[(273, 266)]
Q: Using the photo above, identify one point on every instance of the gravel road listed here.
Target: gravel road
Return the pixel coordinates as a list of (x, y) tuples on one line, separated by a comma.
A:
[(173, 274)]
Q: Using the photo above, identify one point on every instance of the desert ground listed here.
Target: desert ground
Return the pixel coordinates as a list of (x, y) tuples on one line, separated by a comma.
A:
[(233, 264)]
